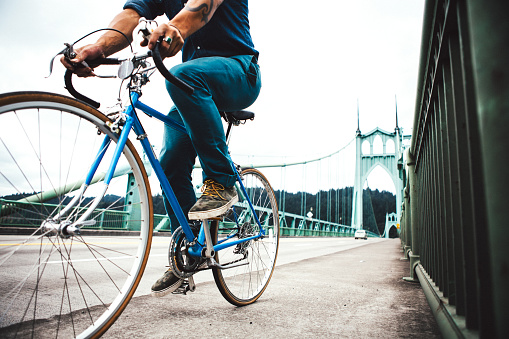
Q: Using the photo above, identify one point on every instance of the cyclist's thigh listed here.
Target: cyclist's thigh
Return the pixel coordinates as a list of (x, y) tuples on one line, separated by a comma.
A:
[(232, 82)]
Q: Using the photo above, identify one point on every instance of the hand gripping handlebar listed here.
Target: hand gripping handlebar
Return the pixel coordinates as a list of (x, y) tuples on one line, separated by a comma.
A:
[(156, 55)]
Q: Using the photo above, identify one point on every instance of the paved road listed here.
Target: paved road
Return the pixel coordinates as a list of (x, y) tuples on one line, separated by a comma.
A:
[(290, 250), (322, 287), (115, 254), (325, 288)]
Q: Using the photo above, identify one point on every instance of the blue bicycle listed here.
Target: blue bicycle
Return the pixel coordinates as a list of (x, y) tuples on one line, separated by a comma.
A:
[(66, 168)]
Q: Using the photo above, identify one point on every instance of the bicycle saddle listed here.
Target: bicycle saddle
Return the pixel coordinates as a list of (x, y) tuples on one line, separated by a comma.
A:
[(237, 116)]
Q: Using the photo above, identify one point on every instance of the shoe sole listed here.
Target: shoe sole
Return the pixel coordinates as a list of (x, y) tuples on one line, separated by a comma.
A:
[(202, 215), (167, 290)]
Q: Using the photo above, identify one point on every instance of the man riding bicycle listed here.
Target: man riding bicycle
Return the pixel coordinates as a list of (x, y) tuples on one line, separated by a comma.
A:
[(220, 62)]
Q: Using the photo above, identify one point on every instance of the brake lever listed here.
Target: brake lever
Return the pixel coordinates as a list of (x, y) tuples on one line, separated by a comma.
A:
[(68, 52), (145, 31)]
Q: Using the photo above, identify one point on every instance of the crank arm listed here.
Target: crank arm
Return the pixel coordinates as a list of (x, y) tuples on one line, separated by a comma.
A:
[(214, 263)]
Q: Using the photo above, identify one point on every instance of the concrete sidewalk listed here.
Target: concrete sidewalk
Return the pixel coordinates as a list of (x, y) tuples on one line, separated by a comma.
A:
[(358, 293)]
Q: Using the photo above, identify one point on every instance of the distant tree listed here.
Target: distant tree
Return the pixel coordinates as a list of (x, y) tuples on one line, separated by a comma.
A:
[(339, 208), (335, 205), (158, 204)]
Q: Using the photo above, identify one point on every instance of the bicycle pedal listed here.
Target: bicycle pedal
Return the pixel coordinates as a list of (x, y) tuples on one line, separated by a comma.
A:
[(186, 286), (183, 289)]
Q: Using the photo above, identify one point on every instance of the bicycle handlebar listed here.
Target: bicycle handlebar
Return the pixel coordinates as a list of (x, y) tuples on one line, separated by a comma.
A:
[(156, 55), (92, 63)]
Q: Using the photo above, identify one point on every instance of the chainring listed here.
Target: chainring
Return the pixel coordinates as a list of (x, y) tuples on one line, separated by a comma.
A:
[(182, 264)]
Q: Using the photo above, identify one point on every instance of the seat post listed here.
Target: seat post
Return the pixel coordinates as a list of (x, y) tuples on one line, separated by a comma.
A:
[(228, 131)]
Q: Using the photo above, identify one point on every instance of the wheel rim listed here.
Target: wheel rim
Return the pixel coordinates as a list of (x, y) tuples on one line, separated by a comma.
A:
[(244, 284), (66, 287)]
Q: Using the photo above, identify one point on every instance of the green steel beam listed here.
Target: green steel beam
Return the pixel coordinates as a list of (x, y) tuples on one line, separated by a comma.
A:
[(53, 193), (489, 31)]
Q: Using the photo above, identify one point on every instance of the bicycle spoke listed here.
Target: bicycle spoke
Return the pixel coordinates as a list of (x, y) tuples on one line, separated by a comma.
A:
[(73, 151), (37, 288), (18, 167), (55, 281), (65, 290), (243, 285), (38, 155), (21, 284), (105, 271)]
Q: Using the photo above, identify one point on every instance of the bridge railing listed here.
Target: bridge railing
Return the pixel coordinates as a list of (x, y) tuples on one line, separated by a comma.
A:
[(22, 214), (298, 225), (290, 225), (32, 214), (455, 212)]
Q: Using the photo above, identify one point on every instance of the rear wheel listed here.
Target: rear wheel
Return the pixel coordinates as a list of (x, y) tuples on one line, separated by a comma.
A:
[(252, 261), (76, 285)]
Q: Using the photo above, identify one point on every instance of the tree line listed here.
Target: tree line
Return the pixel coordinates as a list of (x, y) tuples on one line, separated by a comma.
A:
[(334, 205)]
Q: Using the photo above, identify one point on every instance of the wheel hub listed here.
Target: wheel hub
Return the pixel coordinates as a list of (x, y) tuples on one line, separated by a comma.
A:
[(64, 229)]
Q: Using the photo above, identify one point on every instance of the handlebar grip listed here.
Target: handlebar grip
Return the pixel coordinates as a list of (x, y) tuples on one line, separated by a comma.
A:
[(103, 61), (92, 63), (156, 55), (76, 94)]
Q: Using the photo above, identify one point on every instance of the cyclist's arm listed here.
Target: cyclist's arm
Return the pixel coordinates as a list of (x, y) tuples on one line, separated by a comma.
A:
[(108, 44), (195, 15), (112, 42)]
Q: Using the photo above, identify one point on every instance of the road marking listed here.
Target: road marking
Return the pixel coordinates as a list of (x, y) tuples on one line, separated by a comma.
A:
[(100, 259), (79, 243)]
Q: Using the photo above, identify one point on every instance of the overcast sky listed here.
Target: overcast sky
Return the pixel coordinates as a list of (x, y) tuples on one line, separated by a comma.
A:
[(318, 59)]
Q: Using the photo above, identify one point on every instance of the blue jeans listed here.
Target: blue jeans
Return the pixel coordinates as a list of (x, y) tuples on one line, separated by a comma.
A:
[(220, 84)]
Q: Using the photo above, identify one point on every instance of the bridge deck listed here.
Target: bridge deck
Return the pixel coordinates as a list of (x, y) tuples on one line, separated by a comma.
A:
[(354, 293), (322, 287)]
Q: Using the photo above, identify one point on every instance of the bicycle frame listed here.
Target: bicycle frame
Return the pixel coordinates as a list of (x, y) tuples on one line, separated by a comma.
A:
[(133, 122)]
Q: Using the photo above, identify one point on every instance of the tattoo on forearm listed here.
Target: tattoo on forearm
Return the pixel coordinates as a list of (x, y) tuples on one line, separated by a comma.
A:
[(205, 9)]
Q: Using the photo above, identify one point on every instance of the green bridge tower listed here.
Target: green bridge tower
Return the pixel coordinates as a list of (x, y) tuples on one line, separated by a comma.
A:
[(390, 158)]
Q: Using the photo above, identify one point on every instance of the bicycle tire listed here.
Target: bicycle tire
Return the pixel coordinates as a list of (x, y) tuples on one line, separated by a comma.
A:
[(74, 287), (243, 285)]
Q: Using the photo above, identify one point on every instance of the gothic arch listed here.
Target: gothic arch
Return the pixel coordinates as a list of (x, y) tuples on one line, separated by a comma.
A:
[(391, 225), (365, 163)]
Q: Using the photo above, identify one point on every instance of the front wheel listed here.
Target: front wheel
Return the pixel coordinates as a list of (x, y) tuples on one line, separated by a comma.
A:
[(74, 285), (252, 262)]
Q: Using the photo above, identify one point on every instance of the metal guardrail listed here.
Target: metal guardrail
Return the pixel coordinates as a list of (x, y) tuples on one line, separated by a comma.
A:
[(455, 212), (298, 225), (32, 214), (290, 225), (23, 214)]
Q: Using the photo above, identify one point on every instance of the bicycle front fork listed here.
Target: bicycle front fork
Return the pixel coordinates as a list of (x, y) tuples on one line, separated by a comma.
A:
[(61, 225)]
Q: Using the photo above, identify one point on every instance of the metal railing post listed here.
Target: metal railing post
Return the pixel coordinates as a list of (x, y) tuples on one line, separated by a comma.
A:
[(457, 184), (405, 231), (412, 210)]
